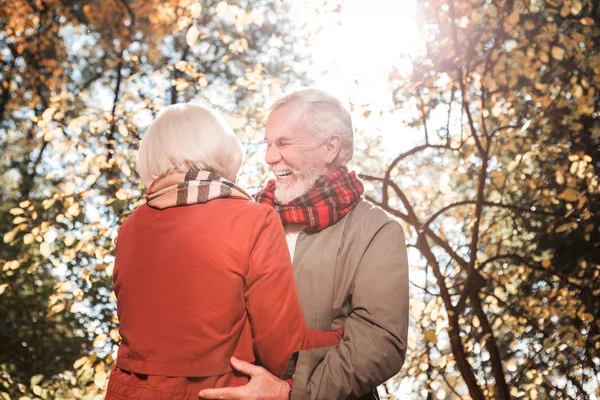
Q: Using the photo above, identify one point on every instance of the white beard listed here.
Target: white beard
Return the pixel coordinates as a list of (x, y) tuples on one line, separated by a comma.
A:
[(306, 180)]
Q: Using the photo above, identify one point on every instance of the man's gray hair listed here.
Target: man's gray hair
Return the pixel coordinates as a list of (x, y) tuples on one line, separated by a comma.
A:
[(326, 116)]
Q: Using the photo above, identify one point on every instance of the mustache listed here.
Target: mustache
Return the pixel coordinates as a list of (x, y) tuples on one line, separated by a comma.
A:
[(281, 167)]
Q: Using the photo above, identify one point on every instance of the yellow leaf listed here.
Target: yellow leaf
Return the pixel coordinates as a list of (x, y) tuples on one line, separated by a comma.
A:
[(99, 340), (69, 240), (16, 211), (576, 127), (11, 265), (57, 308), (74, 209), (499, 293), (444, 184), (181, 65), (18, 220), (430, 336), (492, 11), (181, 85), (587, 21), (114, 335), (192, 36), (221, 8), (45, 249), (77, 364), (121, 194), (9, 236), (511, 289), (546, 263), (558, 53), (36, 379), (511, 21), (24, 204), (48, 114), (123, 130), (100, 379), (28, 238), (566, 227), (569, 195), (586, 317), (77, 307), (3, 287), (196, 10), (498, 179), (100, 375), (48, 203), (37, 390), (529, 25), (576, 7)]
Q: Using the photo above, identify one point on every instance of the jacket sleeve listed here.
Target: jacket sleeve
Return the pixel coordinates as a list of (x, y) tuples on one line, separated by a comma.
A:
[(276, 317), (374, 343)]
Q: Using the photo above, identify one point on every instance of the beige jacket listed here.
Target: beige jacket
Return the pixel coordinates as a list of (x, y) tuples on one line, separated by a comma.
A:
[(356, 273)]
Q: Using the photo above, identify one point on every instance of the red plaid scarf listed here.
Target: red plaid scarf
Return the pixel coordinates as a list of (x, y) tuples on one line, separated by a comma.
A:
[(332, 196)]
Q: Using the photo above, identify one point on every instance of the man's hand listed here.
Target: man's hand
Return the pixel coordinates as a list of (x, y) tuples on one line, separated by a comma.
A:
[(262, 386)]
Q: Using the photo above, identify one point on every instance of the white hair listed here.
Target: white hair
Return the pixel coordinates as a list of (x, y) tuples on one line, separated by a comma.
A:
[(326, 116), (185, 135)]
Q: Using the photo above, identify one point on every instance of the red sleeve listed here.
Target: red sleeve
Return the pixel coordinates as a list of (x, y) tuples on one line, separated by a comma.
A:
[(272, 302), (315, 338)]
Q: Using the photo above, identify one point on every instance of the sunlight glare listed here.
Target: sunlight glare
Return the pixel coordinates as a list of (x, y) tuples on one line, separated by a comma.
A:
[(360, 48)]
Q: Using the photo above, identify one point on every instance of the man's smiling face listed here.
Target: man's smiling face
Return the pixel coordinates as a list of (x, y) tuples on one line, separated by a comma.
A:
[(293, 153)]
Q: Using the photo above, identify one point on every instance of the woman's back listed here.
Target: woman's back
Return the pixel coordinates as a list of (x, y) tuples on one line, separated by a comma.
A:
[(180, 284)]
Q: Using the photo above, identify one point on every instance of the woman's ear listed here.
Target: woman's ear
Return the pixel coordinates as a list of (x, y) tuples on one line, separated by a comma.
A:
[(332, 148)]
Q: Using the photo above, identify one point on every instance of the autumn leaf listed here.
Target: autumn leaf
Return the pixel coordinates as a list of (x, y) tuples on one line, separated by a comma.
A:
[(567, 226), (45, 249), (430, 336), (196, 10), (558, 53), (100, 375), (192, 36), (570, 195), (511, 21), (114, 335), (587, 21), (3, 287)]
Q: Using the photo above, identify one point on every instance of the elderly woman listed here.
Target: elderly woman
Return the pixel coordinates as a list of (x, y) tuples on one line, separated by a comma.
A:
[(202, 272)]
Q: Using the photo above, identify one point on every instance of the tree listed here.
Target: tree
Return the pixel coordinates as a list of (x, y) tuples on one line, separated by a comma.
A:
[(506, 102), (78, 81)]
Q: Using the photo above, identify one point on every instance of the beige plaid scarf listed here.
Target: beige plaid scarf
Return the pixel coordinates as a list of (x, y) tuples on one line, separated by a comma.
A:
[(194, 186)]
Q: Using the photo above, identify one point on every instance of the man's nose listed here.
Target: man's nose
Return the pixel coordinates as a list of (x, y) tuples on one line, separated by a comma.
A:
[(273, 156)]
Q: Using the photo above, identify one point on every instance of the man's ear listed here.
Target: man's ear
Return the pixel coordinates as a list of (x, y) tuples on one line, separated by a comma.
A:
[(332, 148)]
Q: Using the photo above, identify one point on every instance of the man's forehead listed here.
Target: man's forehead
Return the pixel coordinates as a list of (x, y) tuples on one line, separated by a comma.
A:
[(284, 125), (295, 110), (281, 136)]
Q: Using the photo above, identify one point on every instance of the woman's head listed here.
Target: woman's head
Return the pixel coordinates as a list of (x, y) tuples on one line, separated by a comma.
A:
[(189, 134)]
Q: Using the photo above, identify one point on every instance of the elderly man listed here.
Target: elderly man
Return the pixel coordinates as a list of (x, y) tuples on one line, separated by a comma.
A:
[(349, 258)]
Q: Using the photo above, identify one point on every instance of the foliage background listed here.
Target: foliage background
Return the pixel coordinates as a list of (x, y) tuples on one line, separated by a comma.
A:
[(491, 163)]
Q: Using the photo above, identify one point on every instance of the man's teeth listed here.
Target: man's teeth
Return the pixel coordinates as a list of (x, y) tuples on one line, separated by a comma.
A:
[(283, 174)]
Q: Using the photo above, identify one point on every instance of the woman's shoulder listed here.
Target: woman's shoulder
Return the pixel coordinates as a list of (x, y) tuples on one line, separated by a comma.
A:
[(250, 207), (242, 210)]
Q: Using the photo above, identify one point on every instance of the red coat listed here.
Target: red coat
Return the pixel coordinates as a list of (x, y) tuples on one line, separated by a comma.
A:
[(196, 285)]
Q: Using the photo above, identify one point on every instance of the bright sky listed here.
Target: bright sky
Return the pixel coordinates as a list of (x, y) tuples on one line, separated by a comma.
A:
[(359, 47), (363, 43)]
